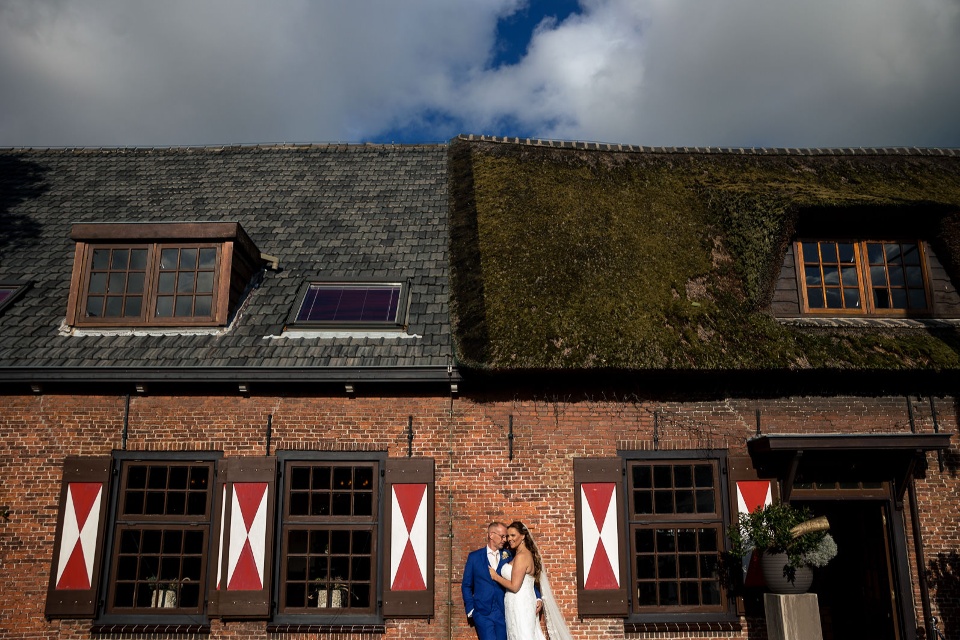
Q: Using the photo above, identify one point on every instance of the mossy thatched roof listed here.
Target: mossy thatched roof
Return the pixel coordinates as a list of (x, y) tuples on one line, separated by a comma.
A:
[(571, 258)]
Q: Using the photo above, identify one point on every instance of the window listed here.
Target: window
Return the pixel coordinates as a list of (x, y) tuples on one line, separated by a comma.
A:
[(676, 533), (10, 290), (161, 537), (328, 538), (865, 277), (355, 304), (122, 277)]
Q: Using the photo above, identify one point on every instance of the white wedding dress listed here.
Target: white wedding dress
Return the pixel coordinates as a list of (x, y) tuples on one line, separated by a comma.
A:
[(520, 609)]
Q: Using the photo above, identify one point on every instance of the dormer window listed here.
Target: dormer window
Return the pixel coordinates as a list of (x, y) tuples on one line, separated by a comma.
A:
[(873, 277), (351, 304), (159, 274)]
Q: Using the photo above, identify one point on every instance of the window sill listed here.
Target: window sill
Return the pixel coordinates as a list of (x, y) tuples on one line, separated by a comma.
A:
[(860, 322), (724, 624), (162, 628), (326, 628)]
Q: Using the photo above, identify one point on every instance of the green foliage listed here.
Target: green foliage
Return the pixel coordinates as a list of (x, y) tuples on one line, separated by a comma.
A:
[(768, 530), (582, 259)]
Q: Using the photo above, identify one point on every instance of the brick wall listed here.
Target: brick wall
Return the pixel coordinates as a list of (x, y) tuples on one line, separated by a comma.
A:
[(476, 479)]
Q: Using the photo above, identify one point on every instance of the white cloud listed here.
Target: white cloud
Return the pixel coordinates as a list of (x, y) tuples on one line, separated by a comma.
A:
[(658, 72)]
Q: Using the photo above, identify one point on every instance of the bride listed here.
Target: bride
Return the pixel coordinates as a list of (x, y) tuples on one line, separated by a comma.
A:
[(520, 601)]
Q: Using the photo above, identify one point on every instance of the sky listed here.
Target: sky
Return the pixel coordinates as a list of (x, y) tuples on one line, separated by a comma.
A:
[(726, 73)]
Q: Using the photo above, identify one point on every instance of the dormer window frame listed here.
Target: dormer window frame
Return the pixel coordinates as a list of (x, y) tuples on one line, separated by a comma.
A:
[(173, 263), (399, 321), (853, 258)]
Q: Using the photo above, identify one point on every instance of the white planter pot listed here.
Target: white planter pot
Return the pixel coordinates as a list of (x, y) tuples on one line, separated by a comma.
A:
[(163, 598)]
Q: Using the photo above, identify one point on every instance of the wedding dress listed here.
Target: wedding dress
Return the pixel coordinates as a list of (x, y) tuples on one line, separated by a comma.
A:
[(520, 610)]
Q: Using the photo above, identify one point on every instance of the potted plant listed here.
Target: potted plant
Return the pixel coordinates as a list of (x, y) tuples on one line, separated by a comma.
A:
[(319, 592), (163, 595), (791, 542)]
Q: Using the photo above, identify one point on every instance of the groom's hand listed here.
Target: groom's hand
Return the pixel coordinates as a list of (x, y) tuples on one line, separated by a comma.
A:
[(539, 607)]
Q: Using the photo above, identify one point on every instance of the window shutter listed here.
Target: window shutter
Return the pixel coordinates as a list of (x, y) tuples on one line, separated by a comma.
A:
[(246, 493), (748, 492), (78, 545), (408, 560), (601, 537)]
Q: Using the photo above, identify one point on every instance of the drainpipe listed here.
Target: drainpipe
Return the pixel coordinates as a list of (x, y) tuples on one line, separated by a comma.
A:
[(126, 424), (921, 563)]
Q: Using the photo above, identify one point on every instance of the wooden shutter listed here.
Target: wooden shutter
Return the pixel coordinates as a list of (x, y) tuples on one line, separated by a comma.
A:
[(748, 492), (408, 560), (601, 537), (78, 544), (244, 527)]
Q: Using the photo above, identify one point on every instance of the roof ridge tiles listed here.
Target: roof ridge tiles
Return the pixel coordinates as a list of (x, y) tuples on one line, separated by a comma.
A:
[(788, 151)]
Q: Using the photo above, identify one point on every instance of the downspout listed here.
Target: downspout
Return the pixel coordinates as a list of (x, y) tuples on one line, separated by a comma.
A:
[(126, 424), (921, 562), (918, 542), (450, 506)]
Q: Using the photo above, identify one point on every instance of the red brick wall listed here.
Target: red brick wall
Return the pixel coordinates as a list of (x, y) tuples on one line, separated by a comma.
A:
[(476, 480)]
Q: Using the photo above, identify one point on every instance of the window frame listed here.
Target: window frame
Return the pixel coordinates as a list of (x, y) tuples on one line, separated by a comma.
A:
[(108, 612), (150, 294), (17, 288), (719, 520), (284, 522), (400, 322), (864, 282)]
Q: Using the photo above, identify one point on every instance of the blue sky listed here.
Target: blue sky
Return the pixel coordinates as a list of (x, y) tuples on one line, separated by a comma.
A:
[(817, 73)]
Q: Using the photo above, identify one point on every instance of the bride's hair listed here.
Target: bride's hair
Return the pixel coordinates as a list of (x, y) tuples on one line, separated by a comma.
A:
[(532, 546)]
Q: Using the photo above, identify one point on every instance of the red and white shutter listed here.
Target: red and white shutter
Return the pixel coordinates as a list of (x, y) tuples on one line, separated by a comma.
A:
[(749, 492), (408, 562), (601, 537), (78, 545), (247, 499)]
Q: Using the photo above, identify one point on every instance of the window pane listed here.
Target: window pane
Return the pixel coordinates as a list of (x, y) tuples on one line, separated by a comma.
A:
[(834, 301), (188, 259), (881, 299), (353, 303), (849, 276), (642, 477), (662, 477), (845, 252), (892, 251), (875, 253), (205, 282), (101, 259), (202, 306), (911, 253), (98, 283), (208, 258), (94, 306), (914, 276), (114, 308), (186, 282), (815, 298), (896, 276), (812, 275), (184, 306), (898, 299), (138, 259), (168, 258), (878, 276), (167, 282), (851, 298), (117, 282), (831, 276), (119, 260)]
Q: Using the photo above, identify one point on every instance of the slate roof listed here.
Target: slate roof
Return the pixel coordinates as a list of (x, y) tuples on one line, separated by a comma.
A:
[(589, 257), (341, 211)]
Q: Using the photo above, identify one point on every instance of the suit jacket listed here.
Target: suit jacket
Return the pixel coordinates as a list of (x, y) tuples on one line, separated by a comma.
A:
[(481, 594)]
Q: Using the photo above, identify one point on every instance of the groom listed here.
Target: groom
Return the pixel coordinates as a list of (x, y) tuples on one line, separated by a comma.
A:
[(482, 597)]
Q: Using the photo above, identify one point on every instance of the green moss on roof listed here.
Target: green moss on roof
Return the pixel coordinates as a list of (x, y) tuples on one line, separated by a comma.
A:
[(572, 259)]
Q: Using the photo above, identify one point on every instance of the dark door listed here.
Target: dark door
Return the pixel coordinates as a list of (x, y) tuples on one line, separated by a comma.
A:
[(856, 591)]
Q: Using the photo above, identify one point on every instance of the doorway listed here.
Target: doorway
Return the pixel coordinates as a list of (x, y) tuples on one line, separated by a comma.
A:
[(857, 590)]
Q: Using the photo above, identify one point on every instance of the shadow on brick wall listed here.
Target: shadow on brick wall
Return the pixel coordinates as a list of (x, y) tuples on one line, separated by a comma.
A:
[(943, 575)]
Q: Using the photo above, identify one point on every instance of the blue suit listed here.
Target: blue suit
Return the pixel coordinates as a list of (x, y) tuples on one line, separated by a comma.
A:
[(483, 596)]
